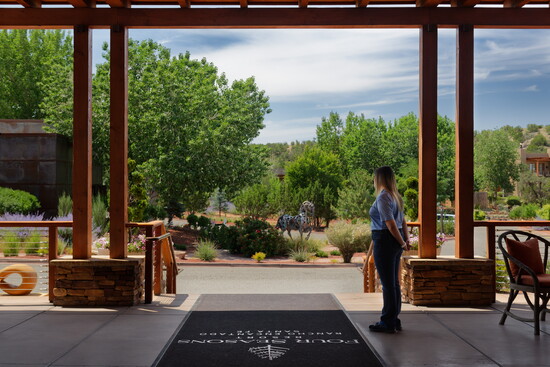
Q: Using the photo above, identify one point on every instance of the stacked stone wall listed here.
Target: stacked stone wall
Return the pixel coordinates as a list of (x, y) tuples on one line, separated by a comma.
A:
[(98, 282), (448, 282)]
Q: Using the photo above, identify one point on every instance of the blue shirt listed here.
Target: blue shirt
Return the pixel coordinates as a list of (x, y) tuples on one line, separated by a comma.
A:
[(385, 208)]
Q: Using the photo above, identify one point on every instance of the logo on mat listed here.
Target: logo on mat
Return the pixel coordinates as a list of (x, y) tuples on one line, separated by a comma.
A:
[(269, 351)]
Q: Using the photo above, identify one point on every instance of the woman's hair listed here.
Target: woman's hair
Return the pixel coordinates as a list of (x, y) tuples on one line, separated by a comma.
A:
[(384, 178)]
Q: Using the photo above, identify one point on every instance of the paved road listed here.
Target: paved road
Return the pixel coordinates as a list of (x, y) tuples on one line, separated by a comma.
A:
[(232, 279)]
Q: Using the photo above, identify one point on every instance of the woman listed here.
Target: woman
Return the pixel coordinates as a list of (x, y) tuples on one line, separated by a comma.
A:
[(390, 236)]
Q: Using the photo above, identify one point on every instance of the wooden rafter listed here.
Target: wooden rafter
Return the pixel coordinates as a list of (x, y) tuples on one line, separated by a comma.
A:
[(119, 3), (515, 3), (82, 3), (30, 3), (184, 3), (244, 3), (303, 3), (428, 3), (464, 3), (361, 3)]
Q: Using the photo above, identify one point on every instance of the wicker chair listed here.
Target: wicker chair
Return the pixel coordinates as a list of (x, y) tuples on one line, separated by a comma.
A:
[(527, 272)]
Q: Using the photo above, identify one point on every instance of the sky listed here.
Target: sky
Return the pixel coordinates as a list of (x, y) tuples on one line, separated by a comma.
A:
[(308, 73)]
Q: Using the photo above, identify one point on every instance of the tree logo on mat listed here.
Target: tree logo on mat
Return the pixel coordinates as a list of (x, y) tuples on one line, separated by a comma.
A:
[(269, 351)]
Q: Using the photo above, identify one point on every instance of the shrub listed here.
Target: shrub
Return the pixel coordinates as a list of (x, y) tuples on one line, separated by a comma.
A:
[(193, 220), (321, 253), (11, 243), (17, 201), (349, 238), (34, 242), (258, 256), (180, 247), (64, 205), (525, 211), (100, 217), (301, 255), (206, 251), (533, 128), (309, 245), (223, 236), (513, 201), (203, 222), (479, 214), (544, 213), (335, 253), (547, 127), (537, 144)]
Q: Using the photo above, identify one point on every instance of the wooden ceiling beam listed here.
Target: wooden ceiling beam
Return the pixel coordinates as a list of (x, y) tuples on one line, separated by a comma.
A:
[(371, 17), (515, 3), (244, 4), (428, 3), (82, 3), (464, 3), (361, 3), (30, 3), (303, 4), (184, 3), (119, 3)]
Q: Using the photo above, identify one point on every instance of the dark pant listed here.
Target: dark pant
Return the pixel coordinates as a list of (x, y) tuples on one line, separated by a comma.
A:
[(387, 256)]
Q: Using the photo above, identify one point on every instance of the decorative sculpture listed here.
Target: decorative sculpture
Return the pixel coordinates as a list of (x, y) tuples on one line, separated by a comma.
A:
[(28, 279), (300, 222)]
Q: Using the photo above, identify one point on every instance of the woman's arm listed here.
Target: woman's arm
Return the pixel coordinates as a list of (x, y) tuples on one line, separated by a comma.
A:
[(392, 227), (406, 231)]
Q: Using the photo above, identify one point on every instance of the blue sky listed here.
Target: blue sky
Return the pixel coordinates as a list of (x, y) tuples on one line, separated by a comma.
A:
[(309, 73)]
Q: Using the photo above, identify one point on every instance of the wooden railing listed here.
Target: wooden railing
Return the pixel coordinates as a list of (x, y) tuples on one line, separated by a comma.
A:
[(159, 254), (52, 243), (369, 267)]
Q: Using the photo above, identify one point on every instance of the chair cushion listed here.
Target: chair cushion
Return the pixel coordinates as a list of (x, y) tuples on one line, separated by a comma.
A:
[(544, 280), (527, 252)]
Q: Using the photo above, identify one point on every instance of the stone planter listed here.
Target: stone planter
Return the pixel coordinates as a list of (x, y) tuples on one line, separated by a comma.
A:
[(103, 251), (415, 252)]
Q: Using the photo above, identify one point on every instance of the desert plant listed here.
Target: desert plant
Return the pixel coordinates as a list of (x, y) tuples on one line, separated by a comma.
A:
[(525, 211), (100, 218), (34, 242), (17, 201), (64, 205), (321, 253), (300, 255), (335, 253), (193, 220), (512, 201), (544, 212), (349, 238), (533, 128), (310, 245), (258, 256), (206, 251), (11, 243), (204, 222), (479, 214)]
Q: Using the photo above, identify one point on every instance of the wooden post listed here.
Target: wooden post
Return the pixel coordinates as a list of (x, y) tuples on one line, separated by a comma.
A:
[(52, 255), (464, 166), (428, 142), (491, 254), (149, 246), (119, 142), (82, 144)]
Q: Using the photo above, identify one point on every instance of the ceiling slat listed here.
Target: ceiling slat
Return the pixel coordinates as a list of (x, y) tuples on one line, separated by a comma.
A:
[(30, 3), (303, 3), (119, 3), (184, 3), (361, 3), (82, 3), (464, 3), (244, 3), (428, 3), (515, 3)]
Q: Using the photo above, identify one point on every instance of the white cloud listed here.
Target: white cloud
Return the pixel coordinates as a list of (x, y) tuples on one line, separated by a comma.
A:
[(531, 88)]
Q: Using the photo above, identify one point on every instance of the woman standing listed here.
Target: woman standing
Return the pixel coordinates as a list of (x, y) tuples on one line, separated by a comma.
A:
[(390, 236)]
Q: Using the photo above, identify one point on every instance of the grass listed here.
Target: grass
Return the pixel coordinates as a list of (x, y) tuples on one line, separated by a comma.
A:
[(311, 246), (300, 255), (206, 251)]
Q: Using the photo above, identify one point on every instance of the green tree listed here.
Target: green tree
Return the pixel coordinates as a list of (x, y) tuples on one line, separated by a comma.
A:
[(32, 62), (495, 156), (515, 132), (190, 129), (537, 144), (329, 133), (533, 188), (219, 201), (356, 196), (445, 158), (400, 142)]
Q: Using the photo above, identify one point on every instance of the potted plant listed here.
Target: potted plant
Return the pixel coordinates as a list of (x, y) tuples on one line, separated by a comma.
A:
[(440, 239)]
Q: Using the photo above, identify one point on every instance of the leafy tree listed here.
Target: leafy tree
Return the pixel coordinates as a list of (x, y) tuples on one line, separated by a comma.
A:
[(445, 158), (219, 201), (410, 197), (515, 132), (400, 143), (316, 176), (495, 156), (356, 196), (33, 62), (137, 195), (329, 133), (533, 188), (533, 128), (189, 128)]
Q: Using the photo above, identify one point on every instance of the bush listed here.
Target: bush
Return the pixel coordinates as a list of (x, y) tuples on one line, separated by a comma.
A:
[(309, 245), (479, 214), (544, 213), (533, 128), (258, 256), (321, 253), (64, 205), (100, 215), (349, 238), (547, 127), (301, 255), (203, 222), (206, 251), (10, 243), (17, 201), (335, 253), (513, 201), (34, 242), (193, 220), (526, 211)]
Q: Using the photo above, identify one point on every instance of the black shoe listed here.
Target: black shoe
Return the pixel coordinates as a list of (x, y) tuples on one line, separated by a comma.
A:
[(398, 325), (381, 328)]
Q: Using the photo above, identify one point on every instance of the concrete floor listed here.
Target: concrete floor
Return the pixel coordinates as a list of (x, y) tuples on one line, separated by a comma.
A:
[(34, 333)]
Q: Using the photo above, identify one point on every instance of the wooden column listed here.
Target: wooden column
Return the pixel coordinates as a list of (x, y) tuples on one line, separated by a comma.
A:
[(119, 142), (428, 142), (82, 143), (464, 166)]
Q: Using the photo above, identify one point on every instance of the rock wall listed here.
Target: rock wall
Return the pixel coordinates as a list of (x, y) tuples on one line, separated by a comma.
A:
[(448, 281), (98, 282)]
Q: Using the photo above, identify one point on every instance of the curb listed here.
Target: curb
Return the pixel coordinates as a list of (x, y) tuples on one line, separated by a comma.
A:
[(352, 265)]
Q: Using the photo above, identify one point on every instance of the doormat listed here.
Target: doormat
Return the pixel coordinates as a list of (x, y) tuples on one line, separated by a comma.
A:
[(267, 338)]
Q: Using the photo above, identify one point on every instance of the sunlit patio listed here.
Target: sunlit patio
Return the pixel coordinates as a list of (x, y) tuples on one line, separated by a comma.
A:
[(34, 333)]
